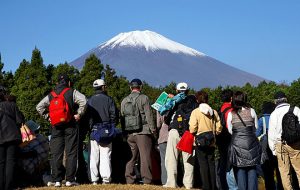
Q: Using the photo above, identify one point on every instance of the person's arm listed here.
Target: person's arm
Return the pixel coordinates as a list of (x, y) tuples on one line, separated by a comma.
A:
[(159, 120), (81, 101), (42, 107), (148, 114), (229, 124), (217, 122), (254, 116), (272, 133), (259, 130), (193, 123), (19, 116), (112, 111)]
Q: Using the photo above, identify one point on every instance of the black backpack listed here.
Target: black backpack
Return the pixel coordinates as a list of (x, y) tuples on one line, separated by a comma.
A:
[(290, 127), (224, 137)]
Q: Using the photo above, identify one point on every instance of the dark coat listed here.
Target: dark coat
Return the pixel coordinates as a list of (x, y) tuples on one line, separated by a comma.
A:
[(102, 108), (245, 149), (10, 122)]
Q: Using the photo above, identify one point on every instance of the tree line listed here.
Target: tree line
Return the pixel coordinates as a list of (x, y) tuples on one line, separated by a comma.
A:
[(33, 80)]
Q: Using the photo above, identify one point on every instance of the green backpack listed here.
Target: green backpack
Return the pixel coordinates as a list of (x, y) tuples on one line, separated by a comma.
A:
[(133, 119)]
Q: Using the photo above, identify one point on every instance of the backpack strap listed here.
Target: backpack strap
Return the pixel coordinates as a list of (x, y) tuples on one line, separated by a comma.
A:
[(53, 93), (226, 109), (291, 109), (134, 100)]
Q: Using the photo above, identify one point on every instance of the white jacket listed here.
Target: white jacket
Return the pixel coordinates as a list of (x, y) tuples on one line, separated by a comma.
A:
[(275, 124)]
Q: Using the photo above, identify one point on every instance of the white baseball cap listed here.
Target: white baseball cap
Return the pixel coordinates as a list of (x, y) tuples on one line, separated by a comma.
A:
[(181, 86), (98, 83)]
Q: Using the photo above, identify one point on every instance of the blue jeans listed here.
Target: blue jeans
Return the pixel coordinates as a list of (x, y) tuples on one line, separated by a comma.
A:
[(231, 180), (246, 178), (162, 152)]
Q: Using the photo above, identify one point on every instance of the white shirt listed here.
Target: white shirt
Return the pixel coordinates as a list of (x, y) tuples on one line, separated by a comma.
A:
[(229, 119), (275, 124)]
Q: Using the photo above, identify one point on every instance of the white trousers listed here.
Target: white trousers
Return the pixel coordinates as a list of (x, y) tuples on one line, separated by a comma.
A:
[(100, 161), (171, 161)]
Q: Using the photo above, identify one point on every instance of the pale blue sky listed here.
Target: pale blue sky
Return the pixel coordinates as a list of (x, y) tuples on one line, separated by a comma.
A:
[(261, 37)]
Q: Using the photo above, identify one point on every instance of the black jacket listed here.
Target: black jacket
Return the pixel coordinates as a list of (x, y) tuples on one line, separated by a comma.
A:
[(184, 109), (101, 108), (245, 149), (10, 122)]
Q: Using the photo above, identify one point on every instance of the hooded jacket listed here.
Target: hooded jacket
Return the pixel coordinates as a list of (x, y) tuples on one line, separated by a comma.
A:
[(10, 122), (204, 119)]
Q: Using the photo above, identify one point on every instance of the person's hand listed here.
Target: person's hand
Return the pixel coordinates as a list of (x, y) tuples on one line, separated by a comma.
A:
[(170, 95), (77, 117)]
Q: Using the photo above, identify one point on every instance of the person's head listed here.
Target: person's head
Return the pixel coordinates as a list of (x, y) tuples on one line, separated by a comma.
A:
[(202, 97), (63, 79), (239, 100), (182, 87), (136, 84), (2, 93), (10, 98), (280, 98), (268, 107), (99, 84), (226, 95)]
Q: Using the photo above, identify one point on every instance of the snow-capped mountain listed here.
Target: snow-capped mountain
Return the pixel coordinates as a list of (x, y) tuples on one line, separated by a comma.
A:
[(159, 61)]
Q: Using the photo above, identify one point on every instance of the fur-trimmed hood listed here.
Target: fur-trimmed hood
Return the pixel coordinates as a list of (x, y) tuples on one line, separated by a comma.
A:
[(206, 109)]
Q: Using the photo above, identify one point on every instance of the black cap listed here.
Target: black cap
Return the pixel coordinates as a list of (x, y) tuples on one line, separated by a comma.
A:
[(63, 77), (136, 83), (279, 95)]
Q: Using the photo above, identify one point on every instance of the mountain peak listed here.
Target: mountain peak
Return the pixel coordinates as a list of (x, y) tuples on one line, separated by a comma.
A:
[(159, 61), (149, 40)]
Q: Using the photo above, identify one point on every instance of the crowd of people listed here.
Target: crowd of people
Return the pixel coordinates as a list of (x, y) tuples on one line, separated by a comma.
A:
[(231, 146)]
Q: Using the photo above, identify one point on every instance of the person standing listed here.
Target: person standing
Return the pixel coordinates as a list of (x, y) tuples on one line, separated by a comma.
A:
[(225, 179), (138, 123), (245, 150), (162, 144), (178, 121), (288, 155), (11, 120), (64, 133), (205, 120), (102, 111)]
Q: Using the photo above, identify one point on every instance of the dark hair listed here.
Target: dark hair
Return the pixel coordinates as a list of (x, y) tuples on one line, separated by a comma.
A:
[(226, 95), (63, 79), (10, 98), (239, 100), (268, 107), (202, 97)]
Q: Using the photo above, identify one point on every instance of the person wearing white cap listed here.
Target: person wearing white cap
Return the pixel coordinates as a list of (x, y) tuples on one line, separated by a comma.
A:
[(178, 121), (102, 111)]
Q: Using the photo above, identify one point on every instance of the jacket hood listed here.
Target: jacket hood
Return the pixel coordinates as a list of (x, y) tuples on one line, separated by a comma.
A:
[(206, 109)]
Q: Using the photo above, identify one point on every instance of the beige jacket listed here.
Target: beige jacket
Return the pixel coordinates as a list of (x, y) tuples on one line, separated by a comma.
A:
[(201, 120)]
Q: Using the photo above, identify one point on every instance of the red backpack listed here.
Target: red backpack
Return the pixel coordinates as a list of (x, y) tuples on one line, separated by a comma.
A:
[(59, 110)]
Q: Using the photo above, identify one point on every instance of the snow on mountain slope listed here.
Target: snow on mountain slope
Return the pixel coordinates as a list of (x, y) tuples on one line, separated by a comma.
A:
[(159, 61), (151, 41)]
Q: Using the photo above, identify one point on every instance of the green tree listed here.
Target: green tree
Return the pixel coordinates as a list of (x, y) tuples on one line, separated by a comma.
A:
[(91, 71), (31, 86), (294, 93), (117, 87)]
